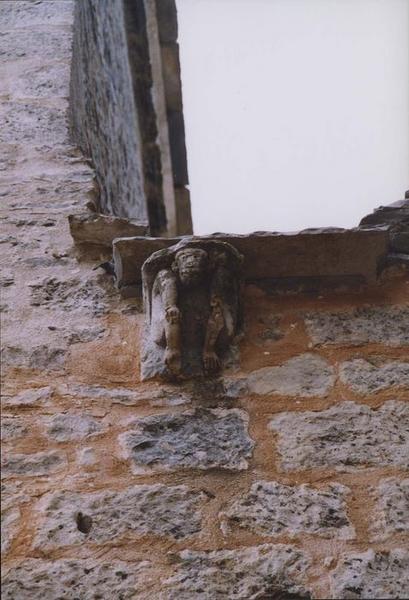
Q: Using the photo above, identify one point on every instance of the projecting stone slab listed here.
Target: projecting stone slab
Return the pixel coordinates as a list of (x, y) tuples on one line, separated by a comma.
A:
[(344, 436), (72, 517), (265, 571), (71, 579), (364, 377), (271, 508), (71, 427), (372, 575), (387, 325), (93, 228), (201, 439), (306, 375), (40, 463), (392, 514), (311, 253)]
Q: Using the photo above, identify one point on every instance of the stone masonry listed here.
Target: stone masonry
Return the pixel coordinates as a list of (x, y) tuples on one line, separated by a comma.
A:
[(285, 478)]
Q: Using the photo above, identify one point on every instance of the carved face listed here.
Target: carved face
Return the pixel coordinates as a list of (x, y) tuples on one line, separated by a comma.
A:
[(191, 265)]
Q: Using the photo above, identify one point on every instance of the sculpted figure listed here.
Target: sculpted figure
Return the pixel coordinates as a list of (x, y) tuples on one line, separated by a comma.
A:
[(192, 304)]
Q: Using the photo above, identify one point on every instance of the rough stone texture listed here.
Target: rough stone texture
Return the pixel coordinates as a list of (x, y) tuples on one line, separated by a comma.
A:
[(306, 375), (265, 571), (271, 508), (367, 378), (201, 439), (10, 519), (12, 428), (387, 325), (73, 518), (392, 513), (40, 463), (344, 436), (71, 579), (28, 398), (103, 109), (71, 427), (372, 575), (158, 396)]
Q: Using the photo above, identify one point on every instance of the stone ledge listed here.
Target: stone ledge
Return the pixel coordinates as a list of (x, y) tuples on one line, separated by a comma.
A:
[(328, 253), (93, 228)]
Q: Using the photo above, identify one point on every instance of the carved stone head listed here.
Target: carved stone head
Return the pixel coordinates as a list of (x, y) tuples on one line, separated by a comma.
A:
[(191, 264)]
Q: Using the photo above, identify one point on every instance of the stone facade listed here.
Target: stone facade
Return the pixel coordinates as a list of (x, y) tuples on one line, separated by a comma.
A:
[(286, 477)]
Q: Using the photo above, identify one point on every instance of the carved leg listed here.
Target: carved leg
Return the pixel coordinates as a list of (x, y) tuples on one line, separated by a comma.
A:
[(215, 324), (173, 340)]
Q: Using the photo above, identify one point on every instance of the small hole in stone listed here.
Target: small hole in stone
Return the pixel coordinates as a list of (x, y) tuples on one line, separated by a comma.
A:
[(84, 523)]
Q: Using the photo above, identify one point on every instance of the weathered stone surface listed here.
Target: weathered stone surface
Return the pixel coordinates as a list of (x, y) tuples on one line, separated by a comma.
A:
[(344, 436), (158, 396), (305, 375), (265, 571), (94, 228), (19, 13), (12, 428), (366, 378), (36, 357), (71, 579), (71, 427), (72, 517), (372, 575), (200, 439), (43, 44), (32, 123), (30, 397), (271, 508), (387, 325), (69, 295), (392, 512), (10, 518), (40, 463)]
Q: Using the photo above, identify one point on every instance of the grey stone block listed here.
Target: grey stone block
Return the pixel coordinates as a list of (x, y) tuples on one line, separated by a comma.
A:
[(72, 427), (387, 325), (40, 463), (200, 439), (20, 13), (265, 571), (74, 518), (344, 436), (372, 575), (367, 378), (72, 579), (271, 508), (305, 375), (102, 229), (392, 508), (12, 428)]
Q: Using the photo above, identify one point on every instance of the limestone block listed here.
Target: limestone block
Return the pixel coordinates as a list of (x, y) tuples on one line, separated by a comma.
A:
[(305, 375), (392, 508), (158, 396), (271, 508), (344, 436), (364, 377), (30, 397), (71, 579), (46, 357), (93, 228), (12, 428), (73, 517), (9, 526), (265, 571), (40, 81), (71, 427), (387, 325), (35, 44), (19, 13), (69, 295), (200, 439), (29, 123), (40, 463), (372, 575)]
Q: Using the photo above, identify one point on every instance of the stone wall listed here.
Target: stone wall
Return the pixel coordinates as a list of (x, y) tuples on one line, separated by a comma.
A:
[(126, 111), (288, 477)]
